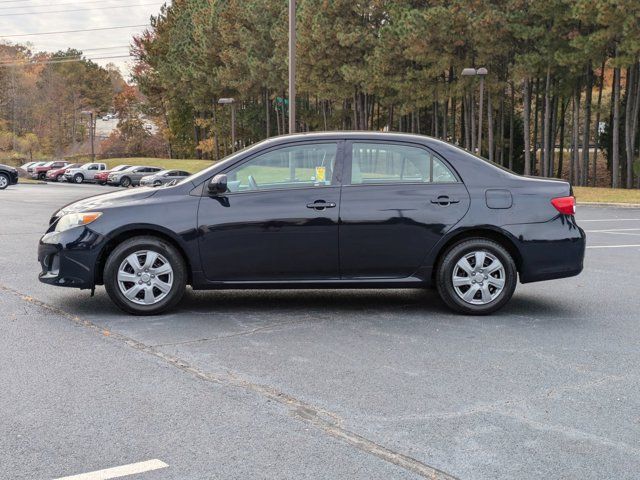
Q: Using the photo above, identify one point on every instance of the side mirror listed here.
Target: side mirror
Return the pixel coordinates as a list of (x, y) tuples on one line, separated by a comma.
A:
[(218, 184)]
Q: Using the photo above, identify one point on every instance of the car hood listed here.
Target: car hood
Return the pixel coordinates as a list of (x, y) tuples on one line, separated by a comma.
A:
[(106, 200)]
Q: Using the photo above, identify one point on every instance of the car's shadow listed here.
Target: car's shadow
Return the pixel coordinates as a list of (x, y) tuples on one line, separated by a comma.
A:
[(325, 302)]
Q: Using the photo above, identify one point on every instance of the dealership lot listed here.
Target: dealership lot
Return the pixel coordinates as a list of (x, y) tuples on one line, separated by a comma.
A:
[(320, 384)]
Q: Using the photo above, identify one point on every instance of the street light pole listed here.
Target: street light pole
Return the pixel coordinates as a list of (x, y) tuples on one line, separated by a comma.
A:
[(292, 66), (480, 72), (92, 133), (232, 102)]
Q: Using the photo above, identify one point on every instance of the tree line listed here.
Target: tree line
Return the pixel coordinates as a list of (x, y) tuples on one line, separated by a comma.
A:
[(562, 76), (43, 97)]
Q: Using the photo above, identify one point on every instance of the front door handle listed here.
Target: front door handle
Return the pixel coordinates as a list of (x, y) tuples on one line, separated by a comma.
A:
[(444, 200), (321, 205)]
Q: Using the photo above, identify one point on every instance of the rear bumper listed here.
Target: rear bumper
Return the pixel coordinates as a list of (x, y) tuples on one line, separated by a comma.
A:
[(549, 250), (68, 258)]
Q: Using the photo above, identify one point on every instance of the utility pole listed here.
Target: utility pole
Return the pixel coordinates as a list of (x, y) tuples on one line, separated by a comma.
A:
[(292, 66)]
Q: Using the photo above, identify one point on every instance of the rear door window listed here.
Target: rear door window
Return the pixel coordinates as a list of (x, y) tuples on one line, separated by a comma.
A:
[(388, 163)]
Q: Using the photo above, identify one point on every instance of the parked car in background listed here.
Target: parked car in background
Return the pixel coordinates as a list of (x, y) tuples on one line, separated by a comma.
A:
[(40, 173), (325, 210), (102, 177), (8, 176), (85, 173), (27, 165), (57, 174), (163, 177), (131, 176), (31, 167)]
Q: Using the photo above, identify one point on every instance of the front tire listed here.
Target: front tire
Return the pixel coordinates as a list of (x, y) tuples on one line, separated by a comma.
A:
[(78, 178), (125, 182), (4, 181), (145, 276), (476, 277)]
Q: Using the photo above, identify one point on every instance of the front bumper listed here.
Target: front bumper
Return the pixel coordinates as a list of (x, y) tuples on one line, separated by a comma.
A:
[(549, 250), (68, 258)]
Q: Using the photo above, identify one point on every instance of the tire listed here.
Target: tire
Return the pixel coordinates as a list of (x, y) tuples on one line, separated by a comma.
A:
[(42, 176), (78, 178), (118, 262), (157, 184), (4, 181), (57, 178), (486, 289), (125, 182)]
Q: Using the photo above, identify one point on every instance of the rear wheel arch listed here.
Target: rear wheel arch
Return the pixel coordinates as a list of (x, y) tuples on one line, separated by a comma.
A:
[(124, 235), (498, 236)]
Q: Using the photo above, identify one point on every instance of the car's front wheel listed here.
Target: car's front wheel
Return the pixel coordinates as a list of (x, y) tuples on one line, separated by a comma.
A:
[(125, 182), (476, 276), (78, 178), (145, 276), (4, 181)]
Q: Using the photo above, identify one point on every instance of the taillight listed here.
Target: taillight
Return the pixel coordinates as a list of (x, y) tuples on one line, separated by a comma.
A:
[(565, 205)]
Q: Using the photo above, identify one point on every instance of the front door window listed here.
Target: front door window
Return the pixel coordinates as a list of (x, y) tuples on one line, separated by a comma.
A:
[(299, 166)]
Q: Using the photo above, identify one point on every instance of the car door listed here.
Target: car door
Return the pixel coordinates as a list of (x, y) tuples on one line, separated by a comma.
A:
[(278, 221), (398, 200)]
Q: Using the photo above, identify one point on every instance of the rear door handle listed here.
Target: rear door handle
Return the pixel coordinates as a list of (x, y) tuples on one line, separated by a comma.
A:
[(444, 200), (321, 205)]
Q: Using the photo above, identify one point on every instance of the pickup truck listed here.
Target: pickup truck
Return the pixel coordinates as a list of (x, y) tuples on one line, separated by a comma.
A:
[(85, 173)]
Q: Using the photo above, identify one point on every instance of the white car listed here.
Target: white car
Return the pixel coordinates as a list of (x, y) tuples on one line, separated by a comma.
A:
[(85, 173)]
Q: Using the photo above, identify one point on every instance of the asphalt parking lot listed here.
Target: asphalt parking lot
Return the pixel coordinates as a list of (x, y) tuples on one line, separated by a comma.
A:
[(320, 384)]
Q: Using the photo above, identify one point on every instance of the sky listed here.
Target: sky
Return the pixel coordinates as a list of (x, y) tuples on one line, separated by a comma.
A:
[(19, 17)]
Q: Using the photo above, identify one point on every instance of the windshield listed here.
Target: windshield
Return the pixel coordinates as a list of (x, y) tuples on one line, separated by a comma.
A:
[(120, 167)]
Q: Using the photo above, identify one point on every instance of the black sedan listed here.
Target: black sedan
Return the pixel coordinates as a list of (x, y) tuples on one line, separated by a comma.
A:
[(8, 176), (326, 210)]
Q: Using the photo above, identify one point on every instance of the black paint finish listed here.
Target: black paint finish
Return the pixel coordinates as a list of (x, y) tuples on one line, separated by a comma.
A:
[(387, 235)]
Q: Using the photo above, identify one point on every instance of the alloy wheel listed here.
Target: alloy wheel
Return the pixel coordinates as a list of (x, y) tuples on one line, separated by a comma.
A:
[(478, 277), (145, 277), (4, 181)]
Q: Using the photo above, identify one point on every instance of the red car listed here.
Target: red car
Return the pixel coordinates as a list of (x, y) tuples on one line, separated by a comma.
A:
[(57, 174), (101, 177), (40, 173)]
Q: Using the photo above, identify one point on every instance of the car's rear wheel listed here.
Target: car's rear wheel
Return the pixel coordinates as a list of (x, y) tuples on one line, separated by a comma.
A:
[(145, 276), (125, 182), (78, 178), (4, 181), (476, 277)]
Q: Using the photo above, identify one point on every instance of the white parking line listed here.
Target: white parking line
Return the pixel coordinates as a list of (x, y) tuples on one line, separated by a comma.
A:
[(612, 220), (613, 246), (117, 472), (609, 230)]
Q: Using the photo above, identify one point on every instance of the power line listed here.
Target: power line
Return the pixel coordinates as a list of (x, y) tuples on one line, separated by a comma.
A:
[(73, 31), (60, 60), (58, 4), (80, 9)]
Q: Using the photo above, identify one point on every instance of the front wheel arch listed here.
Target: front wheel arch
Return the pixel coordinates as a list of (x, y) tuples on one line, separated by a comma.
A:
[(123, 235)]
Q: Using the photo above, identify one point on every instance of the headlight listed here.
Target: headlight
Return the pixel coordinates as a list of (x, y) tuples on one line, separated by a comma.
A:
[(71, 220)]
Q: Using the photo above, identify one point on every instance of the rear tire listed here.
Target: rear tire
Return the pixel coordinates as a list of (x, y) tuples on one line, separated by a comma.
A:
[(78, 178), (479, 289), (143, 295)]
